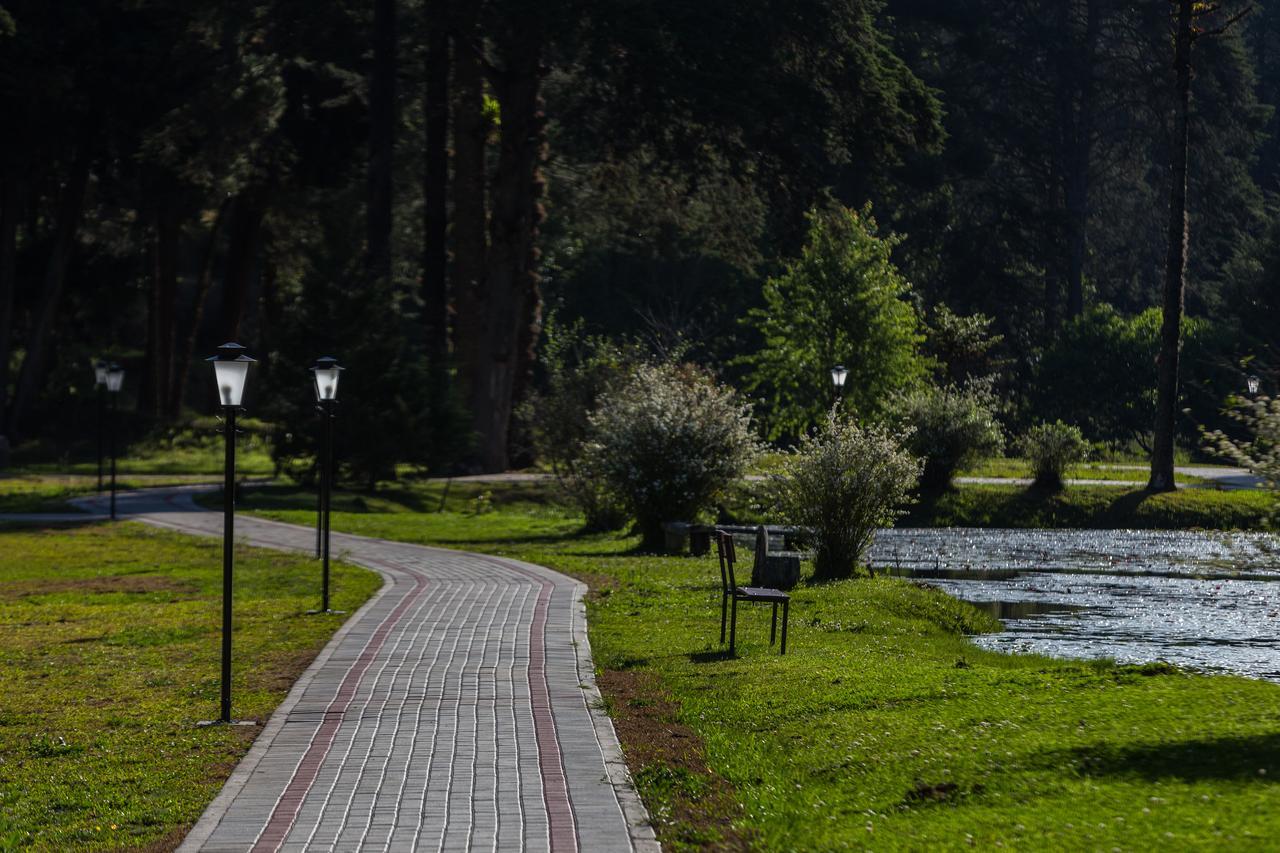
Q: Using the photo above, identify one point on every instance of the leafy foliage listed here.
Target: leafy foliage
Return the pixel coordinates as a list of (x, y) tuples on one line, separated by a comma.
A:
[(1051, 447), (668, 442), (842, 484), (950, 427), (1260, 451), (842, 301)]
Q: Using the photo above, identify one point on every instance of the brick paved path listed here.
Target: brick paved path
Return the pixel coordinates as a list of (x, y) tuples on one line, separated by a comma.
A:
[(457, 710)]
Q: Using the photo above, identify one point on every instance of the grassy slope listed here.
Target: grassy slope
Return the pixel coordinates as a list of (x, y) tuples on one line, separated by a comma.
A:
[(883, 726), (109, 650)]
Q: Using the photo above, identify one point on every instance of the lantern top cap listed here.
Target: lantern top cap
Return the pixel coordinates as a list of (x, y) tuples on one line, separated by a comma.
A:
[(230, 351), (327, 362)]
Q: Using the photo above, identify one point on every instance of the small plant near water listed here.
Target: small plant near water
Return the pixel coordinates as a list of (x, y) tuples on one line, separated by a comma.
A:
[(1050, 448), (842, 484), (1260, 453), (668, 443)]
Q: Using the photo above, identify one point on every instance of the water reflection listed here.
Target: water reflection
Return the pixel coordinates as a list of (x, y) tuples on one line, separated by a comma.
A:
[(1208, 601)]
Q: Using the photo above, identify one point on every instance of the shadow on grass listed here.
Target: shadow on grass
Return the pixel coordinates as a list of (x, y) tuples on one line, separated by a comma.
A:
[(1255, 757), (711, 656)]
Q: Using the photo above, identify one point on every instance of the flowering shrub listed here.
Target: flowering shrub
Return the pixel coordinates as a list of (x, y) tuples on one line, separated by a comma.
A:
[(951, 426), (1261, 453), (1051, 448), (667, 443), (842, 484)]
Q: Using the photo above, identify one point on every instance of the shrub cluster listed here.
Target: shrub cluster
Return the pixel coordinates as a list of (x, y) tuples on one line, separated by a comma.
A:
[(842, 484), (668, 442), (1050, 448), (950, 427)]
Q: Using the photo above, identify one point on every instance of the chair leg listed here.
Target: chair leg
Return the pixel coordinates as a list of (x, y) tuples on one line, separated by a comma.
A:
[(786, 611), (773, 626), (724, 615), (733, 628)]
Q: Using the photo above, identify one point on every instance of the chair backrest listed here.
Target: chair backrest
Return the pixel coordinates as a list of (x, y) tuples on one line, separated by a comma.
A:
[(728, 555)]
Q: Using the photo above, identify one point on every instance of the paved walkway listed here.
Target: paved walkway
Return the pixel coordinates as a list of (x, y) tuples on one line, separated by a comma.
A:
[(456, 710)]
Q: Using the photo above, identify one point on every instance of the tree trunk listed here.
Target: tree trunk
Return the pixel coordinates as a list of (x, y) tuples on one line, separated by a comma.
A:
[(70, 208), (10, 212), (468, 286), (382, 134), (186, 351), (1175, 264), (511, 280), (1077, 158), (435, 187), (247, 210)]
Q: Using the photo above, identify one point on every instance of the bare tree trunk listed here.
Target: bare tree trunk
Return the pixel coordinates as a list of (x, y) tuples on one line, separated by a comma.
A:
[(511, 273), (382, 134), (435, 187), (1077, 133), (70, 209), (247, 210), (1175, 264), (186, 351), (468, 285), (10, 212), (161, 312)]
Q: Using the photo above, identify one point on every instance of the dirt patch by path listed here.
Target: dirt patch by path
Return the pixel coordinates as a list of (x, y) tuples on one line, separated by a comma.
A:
[(691, 806)]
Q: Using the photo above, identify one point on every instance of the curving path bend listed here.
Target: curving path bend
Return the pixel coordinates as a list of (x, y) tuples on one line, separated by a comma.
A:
[(456, 710)]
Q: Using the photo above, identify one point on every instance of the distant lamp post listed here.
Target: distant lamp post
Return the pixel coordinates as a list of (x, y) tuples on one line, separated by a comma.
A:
[(1253, 383), (325, 375), (100, 384), (113, 379), (839, 374), (230, 370)]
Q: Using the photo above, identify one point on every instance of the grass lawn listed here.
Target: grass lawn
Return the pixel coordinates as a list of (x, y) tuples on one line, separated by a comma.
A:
[(883, 726), (109, 654), (1103, 507), (1021, 468)]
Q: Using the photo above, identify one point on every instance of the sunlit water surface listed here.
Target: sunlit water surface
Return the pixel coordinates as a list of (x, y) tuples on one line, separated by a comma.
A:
[(1204, 600)]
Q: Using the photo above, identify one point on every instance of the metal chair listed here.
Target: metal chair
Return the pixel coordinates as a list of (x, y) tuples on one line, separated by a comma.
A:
[(731, 592)]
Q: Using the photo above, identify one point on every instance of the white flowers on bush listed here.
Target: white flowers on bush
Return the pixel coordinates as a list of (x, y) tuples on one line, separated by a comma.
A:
[(842, 484), (668, 443), (1261, 453)]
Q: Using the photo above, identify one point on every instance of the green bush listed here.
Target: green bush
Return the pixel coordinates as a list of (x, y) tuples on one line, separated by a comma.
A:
[(951, 427), (668, 442), (841, 485), (1051, 447)]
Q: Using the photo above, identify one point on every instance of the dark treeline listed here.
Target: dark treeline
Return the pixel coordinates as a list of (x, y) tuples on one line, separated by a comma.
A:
[(414, 187)]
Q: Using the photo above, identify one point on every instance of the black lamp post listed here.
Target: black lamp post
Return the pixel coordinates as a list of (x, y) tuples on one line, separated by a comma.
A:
[(114, 382), (325, 374), (100, 383), (838, 375), (230, 369)]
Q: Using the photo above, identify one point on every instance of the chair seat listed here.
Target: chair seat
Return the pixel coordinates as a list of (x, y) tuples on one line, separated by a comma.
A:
[(760, 593)]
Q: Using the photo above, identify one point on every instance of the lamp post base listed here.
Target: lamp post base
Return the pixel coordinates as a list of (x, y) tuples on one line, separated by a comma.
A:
[(324, 612), (205, 723)]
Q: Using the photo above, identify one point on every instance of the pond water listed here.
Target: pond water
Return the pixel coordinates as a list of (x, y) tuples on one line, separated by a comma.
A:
[(1205, 600)]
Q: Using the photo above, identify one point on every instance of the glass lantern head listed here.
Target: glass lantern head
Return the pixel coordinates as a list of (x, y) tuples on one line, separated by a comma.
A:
[(230, 370), (1253, 384), (325, 373), (99, 372), (114, 378), (838, 374)]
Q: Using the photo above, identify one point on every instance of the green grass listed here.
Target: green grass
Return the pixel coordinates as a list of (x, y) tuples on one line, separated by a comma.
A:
[(1021, 468), (883, 726), (51, 492), (1104, 507), (109, 654)]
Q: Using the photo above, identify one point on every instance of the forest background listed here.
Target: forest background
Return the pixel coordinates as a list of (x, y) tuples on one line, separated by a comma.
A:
[(459, 198)]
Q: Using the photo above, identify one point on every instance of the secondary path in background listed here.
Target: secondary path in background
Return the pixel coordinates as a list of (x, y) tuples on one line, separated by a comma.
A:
[(456, 710)]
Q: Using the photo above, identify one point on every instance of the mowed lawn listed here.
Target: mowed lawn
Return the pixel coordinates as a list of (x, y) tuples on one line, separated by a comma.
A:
[(883, 727), (109, 655)]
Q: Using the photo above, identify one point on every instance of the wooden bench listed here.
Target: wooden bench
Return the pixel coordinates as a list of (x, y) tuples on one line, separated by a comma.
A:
[(731, 592)]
